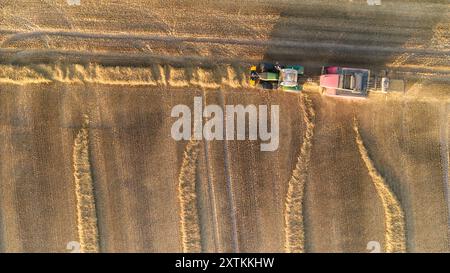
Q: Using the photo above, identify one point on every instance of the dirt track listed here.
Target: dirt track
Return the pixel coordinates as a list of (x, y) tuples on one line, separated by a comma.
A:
[(125, 64)]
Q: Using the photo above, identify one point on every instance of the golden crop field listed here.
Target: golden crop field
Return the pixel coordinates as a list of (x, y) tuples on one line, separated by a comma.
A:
[(87, 157)]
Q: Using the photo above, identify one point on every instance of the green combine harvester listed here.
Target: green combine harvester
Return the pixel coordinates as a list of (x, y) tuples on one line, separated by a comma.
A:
[(276, 76)]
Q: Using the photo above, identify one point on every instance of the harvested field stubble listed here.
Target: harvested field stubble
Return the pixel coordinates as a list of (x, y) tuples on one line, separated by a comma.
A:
[(127, 63)]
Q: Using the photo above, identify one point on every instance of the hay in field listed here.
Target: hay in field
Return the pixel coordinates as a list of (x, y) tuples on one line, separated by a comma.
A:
[(190, 225)]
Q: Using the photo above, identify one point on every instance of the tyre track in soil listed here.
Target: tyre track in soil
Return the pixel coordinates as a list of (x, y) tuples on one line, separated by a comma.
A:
[(187, 197), (229, 183), (84, 188)]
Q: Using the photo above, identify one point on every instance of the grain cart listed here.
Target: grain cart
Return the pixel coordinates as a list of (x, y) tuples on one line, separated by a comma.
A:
[(276, 76), (343, 81)]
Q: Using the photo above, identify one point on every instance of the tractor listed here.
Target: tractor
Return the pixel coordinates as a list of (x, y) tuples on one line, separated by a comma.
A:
[(276, 76)]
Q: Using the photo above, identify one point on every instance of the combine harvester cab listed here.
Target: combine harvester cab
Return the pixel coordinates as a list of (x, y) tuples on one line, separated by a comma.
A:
[(275, 76), (345, 82)]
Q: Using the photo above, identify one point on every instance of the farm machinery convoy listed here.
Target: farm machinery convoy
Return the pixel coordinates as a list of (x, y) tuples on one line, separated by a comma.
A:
[(333, 81), (276, 76)]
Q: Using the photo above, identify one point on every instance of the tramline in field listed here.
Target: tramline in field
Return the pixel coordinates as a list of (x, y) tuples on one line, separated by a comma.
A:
[(276, 76)]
